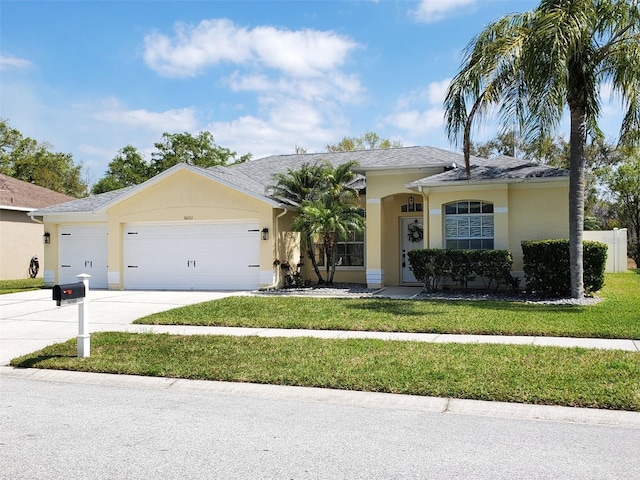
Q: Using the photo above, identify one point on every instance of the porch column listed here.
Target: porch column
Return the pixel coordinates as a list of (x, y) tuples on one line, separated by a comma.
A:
[(373, 242)]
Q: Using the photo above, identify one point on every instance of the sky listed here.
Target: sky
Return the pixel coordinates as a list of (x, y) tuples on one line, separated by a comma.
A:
[(264, 77)]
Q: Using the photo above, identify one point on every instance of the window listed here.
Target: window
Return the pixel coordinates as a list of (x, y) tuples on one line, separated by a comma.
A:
[(348, 253), (469, 225)]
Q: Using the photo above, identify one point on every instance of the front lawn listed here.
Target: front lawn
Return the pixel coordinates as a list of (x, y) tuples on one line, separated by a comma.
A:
[(21, 285), (615, 317), (508, 373)]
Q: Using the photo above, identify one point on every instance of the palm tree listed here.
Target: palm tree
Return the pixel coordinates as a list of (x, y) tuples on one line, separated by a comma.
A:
[(529, 67), (331, 221), (327, 198), (296, 187), (335, 212)]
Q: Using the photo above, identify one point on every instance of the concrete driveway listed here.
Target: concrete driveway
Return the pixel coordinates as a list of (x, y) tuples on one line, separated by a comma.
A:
[(30, 321)]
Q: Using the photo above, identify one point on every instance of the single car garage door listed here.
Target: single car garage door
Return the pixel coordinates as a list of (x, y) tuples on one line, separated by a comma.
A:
[(83, 249), (192, 256)]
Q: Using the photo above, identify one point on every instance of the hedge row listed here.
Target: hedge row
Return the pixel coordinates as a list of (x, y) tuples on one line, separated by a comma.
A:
[(547, 266), (433, 265)]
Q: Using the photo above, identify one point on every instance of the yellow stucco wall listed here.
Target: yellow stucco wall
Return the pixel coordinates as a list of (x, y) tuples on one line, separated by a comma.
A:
[(537, 211), (20, 239)]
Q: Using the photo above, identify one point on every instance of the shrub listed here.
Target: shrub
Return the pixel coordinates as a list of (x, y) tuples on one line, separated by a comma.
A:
[(494, 267), (547, 268), (432, 265)]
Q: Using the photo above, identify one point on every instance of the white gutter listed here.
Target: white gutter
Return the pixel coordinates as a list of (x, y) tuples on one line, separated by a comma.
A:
[(17, 209)]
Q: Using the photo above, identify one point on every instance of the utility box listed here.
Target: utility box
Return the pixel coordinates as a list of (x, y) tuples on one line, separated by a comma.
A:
[(68, 293)]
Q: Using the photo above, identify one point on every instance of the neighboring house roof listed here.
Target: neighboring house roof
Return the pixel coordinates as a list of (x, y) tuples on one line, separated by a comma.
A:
[(254, 176), (18, 195)]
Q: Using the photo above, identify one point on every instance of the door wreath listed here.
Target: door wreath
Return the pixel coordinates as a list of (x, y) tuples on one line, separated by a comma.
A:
[(416, 233)]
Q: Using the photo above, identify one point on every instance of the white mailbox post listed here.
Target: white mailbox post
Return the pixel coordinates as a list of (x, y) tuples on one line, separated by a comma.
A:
[(84, 340)]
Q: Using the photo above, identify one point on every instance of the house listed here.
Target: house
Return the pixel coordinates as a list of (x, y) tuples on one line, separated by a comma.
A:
[(20, 237), (216, 228)]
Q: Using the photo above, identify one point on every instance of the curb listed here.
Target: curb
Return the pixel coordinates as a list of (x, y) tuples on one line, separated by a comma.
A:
[(521, 411)]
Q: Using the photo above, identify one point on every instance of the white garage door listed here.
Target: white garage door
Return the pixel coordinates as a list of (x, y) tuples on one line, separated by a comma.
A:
[(192, 256), (83, 249)]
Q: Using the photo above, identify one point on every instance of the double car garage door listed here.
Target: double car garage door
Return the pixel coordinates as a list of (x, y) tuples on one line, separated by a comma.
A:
[(185, 256)]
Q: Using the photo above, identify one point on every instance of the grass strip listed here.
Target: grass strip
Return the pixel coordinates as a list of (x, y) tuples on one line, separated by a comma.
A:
[(615, 317), (606, 379), (21, 285)]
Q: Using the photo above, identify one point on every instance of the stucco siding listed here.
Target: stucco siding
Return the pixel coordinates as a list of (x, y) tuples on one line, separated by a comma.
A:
[(20, 239), (536, 211)]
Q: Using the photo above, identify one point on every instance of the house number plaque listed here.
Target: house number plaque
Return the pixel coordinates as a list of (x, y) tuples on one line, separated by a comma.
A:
[(188, 217)]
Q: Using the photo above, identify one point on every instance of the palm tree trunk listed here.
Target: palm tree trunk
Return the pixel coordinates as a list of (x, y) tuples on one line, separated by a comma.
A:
[(329, 246), (312, 257), (577, 140)]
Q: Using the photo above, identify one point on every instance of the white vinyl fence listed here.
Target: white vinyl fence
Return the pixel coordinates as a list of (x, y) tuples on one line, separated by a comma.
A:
[(616, 241)]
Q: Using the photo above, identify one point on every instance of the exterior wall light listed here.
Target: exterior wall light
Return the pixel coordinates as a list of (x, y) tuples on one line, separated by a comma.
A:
[(265, 233), (46, 238)]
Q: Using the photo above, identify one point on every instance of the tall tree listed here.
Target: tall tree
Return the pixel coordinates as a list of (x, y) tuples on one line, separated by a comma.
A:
[(30, 161), (368, 141), (127, 168), (531, 66), (200, 150)]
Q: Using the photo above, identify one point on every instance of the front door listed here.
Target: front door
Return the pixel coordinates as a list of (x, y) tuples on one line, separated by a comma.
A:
[(411, 238)]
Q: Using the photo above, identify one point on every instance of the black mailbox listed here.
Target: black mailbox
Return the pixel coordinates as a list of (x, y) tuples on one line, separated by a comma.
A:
[(68, 292)]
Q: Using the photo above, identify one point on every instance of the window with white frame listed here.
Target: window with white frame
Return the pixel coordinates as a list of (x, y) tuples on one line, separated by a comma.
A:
[(349, 253), (469, 225)]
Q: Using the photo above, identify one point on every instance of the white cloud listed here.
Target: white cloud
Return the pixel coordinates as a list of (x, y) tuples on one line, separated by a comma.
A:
[(303, 53), (416, 122), (182, 119), (282, 124), (420, 111), (430, 11), (9, 61), (296, 78)]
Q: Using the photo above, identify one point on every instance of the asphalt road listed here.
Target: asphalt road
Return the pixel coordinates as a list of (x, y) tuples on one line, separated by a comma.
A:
[(55, 430)]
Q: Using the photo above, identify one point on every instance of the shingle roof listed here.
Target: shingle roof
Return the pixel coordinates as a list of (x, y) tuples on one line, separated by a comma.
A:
[(255, 175), (494, 169), (87, 204), (17, 194)]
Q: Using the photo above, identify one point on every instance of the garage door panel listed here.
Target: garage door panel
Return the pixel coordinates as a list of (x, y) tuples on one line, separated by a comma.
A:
[(194, 256), (83, 249)]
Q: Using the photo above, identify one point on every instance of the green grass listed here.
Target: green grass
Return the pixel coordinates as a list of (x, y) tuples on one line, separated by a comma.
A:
[(21, 285), (617, 316), (526, 374)]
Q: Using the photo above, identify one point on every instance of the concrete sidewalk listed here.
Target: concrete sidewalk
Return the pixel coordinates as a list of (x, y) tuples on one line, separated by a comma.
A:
[(598, 343)]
